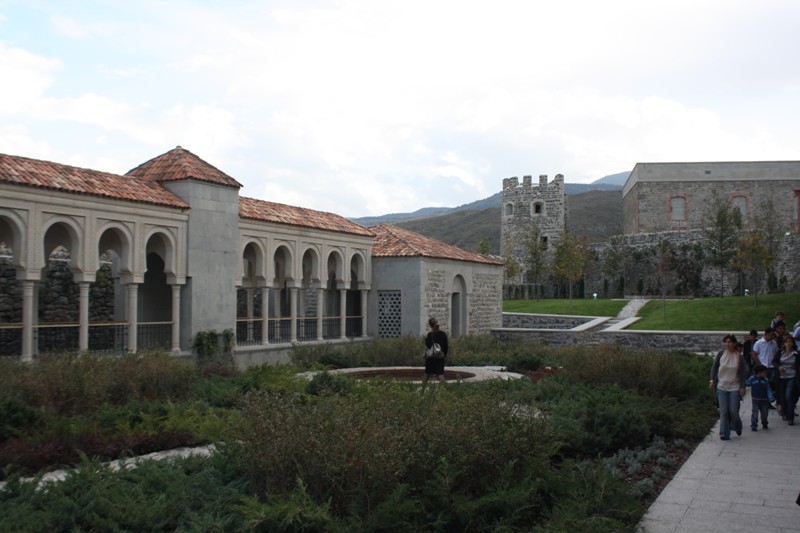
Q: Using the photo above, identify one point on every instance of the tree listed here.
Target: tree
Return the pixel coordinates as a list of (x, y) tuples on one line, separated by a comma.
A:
[(512, 266), (770, 229), (721, 235), (616, 261), (569, 260), (665, 270), (753, 256), (535, 259), (484, 247)]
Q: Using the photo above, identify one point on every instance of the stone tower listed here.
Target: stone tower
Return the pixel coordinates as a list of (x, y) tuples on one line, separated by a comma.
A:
[(526, 204)]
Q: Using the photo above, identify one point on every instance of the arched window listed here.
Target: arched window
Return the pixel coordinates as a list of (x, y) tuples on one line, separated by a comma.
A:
[(678, 208), (538, 208), (509, 209), (740, 203)]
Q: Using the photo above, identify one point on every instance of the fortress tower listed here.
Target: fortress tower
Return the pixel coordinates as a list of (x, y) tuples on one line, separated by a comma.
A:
[(525, 205)]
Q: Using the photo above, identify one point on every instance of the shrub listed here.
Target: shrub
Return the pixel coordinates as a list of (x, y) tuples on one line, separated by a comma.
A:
[(16, 417), (325, 383), (361, 448)]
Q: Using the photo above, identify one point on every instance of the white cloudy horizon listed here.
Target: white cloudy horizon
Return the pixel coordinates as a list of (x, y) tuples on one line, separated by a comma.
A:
[(365, 108)]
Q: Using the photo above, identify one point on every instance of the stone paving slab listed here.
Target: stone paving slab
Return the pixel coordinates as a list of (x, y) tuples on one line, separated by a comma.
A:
[(747, 484)]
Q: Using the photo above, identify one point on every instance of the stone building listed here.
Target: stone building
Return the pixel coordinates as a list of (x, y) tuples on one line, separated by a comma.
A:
[(674, 196), (410, 272), (184, 252), (527, 204)]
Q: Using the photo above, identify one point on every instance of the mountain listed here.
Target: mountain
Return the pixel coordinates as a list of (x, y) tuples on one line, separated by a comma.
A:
[(614, 179), (613, 182), (594, 214)]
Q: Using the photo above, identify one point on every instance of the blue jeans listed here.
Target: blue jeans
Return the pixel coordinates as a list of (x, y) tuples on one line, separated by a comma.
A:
[(759, 406), (729, 412), (786, 391)]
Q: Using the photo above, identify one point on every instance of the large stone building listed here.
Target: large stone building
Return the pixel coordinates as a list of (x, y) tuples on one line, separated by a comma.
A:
[(669, 202), (184, 253), (662, 197)]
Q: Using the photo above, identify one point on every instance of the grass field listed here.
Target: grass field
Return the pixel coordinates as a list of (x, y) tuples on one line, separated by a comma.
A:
[(580, 307), (734, 313)]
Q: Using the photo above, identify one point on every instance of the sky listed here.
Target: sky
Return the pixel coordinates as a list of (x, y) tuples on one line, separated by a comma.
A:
[(370, 107)]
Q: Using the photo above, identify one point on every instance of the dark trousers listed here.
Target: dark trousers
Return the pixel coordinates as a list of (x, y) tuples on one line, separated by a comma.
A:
[(759, 406)]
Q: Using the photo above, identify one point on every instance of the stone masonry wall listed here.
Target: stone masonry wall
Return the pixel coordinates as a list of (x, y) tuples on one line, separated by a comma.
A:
[(436, 302), (647, 207), (693, 277), (486, 303), (535, 321)]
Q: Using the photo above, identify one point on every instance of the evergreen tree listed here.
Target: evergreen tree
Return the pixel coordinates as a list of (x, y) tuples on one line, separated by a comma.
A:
[(721, 235)]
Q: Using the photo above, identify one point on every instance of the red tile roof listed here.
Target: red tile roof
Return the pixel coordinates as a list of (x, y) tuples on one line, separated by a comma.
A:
[(298, 216), (392, 241), (181, 164), (57, 177)]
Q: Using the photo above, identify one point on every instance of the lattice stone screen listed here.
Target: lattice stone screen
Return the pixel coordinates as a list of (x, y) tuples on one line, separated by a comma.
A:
[(389, 314)]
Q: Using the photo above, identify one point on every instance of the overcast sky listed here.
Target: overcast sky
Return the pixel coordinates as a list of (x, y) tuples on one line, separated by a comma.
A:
[(367, 107)]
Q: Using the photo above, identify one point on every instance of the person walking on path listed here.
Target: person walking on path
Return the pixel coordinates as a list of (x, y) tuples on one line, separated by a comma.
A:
[(728, 376), (761, 395), (764, 350), (787, 361), (434, 366)]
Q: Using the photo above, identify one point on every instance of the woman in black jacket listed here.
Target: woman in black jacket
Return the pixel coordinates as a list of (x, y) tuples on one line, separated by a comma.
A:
[(434, 364)]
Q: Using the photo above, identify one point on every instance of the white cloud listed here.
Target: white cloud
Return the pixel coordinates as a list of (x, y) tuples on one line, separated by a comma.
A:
[(365, 107)]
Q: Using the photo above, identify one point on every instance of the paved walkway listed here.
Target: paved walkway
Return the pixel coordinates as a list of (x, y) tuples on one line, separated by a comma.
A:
[(747, 484), (632, 307)]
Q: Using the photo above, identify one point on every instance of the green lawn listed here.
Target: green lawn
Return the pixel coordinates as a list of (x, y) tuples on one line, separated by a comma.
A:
[(734, 313), (580, 307)]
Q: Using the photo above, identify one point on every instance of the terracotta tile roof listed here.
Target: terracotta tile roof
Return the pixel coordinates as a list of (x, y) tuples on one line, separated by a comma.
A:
[(392, 241), (298, 216), (181, 164), (57, 177)]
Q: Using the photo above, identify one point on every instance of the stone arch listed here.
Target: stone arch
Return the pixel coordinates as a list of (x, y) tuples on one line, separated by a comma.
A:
[(155, 295), (66, 233), (358, 272), (283, 278), (117, 238), (334, 281), (538, 208), (162, 242), (310, 267), (458, 307), (12, 233), (508, 209), (253, 264)]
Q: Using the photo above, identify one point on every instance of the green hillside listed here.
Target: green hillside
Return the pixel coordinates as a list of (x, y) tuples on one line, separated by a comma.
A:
[(595, 215)]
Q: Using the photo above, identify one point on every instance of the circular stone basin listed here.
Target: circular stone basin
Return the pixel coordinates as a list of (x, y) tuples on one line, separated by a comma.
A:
[(406, 374), (464, 374)]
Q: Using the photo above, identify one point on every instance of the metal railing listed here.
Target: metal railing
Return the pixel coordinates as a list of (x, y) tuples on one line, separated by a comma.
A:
[(10, 339), (248, 331)]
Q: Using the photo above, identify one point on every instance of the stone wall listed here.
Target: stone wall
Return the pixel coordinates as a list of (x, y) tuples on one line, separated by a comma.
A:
[(647, 197), (437, 303), (691, 341), (485, 301), (537, 321), (693, 277)]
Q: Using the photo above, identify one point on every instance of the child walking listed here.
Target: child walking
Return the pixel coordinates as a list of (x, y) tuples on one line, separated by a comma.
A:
[(761, 394)]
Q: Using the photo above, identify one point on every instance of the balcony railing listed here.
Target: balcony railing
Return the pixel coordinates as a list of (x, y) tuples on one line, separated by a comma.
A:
[(10, 339)]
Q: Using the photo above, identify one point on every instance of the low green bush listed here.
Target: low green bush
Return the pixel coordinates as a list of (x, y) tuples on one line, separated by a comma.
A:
[(192, 494), (325, 383)]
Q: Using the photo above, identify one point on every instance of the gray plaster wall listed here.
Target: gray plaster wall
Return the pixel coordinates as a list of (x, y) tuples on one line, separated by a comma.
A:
[(208, 300), (397, 274)]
